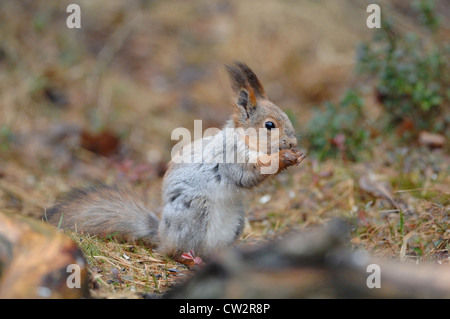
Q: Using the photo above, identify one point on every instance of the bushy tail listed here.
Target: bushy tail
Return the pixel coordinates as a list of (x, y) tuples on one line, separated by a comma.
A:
[(105, 211)]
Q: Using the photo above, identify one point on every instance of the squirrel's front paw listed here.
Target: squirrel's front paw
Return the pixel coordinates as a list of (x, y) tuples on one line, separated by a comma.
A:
[(300, 157), (291, 157)]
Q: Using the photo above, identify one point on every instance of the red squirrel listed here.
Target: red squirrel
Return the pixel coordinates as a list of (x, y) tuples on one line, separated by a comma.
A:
[(203, 206)]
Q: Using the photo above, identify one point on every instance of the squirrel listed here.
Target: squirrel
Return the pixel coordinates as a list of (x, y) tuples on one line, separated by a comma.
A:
[(202, 200)]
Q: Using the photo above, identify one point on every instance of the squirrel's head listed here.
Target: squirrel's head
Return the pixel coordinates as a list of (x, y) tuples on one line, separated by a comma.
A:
[(254, 110)]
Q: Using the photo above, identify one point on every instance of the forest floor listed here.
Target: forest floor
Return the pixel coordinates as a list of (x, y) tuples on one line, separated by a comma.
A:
[(100, 103)]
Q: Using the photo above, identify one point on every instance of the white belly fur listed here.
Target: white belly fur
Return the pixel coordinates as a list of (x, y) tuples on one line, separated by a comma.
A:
[(223, 221)]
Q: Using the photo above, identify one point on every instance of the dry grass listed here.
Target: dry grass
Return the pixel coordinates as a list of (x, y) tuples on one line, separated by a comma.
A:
[(118, 270), (140, 69)]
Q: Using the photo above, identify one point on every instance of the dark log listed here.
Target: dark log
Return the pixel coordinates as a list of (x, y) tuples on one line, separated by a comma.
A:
[(34, 260), (312, 264)]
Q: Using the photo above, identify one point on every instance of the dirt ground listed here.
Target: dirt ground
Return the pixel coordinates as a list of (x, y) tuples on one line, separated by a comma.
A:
[(99, 104)]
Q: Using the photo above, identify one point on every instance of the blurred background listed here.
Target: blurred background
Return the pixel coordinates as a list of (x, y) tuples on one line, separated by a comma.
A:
[(99, 103), (141, 68)]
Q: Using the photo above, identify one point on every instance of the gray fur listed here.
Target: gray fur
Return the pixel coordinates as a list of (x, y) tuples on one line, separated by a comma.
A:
[(105, 211)]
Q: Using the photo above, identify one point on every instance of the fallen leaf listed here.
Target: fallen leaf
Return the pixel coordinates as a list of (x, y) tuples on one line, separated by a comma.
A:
[(105, 143)]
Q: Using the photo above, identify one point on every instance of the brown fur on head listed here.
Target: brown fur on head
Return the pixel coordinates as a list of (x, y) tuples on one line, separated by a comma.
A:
[(254, 110)]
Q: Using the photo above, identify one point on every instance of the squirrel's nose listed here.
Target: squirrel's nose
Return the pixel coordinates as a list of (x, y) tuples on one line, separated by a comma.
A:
[(290, 143), (293, 143)]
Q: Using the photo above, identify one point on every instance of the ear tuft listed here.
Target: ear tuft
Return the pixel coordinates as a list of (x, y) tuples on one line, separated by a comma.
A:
[(252, 79), (243, 98), (237, 78), (242, 77)]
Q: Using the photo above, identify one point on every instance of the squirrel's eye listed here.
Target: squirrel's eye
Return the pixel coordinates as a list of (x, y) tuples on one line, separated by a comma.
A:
[(270, 125)]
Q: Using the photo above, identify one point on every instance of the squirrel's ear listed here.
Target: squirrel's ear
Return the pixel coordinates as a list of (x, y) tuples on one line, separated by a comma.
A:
[(246, 99), (251, 79), (243, 101)]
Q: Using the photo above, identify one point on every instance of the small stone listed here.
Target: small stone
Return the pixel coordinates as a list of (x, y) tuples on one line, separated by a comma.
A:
[(265, 199)]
